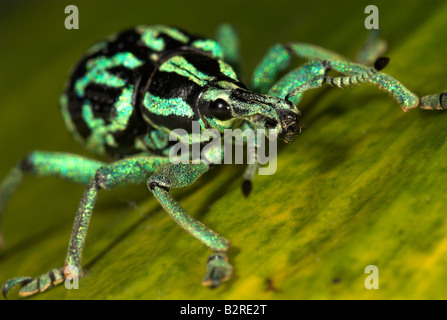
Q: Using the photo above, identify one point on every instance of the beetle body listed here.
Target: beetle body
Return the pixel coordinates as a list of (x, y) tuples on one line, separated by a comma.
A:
[(129, 91), (104, 98)]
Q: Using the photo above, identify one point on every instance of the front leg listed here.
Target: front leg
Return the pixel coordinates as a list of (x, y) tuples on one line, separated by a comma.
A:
[(178, 176), (314, 74), (357, 73), (278, 58)]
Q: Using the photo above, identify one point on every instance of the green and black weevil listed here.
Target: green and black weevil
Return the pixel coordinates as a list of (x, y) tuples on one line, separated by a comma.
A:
[(131, 90)]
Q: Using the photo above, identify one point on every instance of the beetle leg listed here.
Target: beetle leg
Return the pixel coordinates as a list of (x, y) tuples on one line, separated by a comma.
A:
[(357, 73), (218, 269), (278, 59), (178, 176), (253, 167), (228, 40), (249, 174), (373, 48), (39, 163), (123, 172), (296, 78), (127, 171), (67, 166), (30, 286)]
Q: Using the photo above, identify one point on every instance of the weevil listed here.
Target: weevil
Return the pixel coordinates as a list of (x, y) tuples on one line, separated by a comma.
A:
[(130, 91)]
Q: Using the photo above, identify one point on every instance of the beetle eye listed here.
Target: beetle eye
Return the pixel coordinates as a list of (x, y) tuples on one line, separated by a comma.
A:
[(220, 109)]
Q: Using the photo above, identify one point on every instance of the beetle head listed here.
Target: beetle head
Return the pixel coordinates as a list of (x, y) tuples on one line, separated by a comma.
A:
[(224, 105)]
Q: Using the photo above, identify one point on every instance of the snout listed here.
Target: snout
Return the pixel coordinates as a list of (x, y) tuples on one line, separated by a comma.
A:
[(290, 124)]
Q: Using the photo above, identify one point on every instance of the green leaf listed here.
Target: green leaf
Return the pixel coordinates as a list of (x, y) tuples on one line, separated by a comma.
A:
[(364, 184)]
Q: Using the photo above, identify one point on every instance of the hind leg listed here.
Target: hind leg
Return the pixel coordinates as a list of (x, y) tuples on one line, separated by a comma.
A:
[(128, 171), (70, 167)]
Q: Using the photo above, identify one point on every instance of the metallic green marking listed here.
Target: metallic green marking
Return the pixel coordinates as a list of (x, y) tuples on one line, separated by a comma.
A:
[(209, 46), (97, 71), (227, 70), (179, 65), (192, 138), (124, 110), (149, 36), (102, 133), (167, 107), (155, 140), (214, 93), (227, 85), (95, 142)]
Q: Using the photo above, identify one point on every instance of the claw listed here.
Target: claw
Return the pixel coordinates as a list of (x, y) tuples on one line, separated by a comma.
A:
[(30, 286), (8, 285), (246, 187), (218, 270)]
